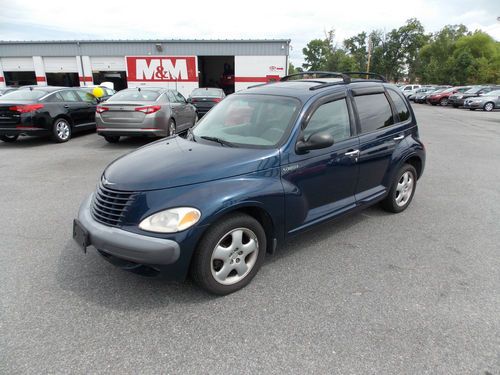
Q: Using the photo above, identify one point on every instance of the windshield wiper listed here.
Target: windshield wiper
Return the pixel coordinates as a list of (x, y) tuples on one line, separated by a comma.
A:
[(218, 140)]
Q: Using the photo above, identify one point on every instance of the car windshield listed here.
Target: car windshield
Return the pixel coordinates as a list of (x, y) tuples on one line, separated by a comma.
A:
[(24, 95), (451, 89), (249, 120), (216, 93), (135, 96), (474, 90)]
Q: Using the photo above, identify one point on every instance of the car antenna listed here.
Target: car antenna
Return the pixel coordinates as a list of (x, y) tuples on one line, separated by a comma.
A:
[(31, 88), (138, 89)]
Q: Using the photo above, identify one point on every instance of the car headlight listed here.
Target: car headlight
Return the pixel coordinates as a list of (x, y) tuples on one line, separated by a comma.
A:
[(172, 220)]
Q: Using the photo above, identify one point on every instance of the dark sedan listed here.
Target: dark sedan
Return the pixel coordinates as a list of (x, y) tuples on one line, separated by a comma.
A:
[(55, 111), (205, 98)]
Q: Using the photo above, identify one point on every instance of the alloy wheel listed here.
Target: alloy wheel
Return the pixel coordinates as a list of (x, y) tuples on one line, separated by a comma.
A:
[(404, 189), (488, 107), (234, 256), (62, 130)]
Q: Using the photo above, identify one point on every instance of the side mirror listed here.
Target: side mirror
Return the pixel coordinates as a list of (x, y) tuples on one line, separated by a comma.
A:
[(315, 142), (189, 100)]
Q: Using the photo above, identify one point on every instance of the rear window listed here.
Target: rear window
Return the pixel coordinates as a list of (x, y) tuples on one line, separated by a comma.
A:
[(135, 96), (374, 112), (24, 95), (401, 108), (207, 92)]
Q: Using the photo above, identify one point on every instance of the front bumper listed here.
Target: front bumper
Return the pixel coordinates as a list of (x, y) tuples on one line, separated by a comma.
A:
[(127, 245), (474, 105)]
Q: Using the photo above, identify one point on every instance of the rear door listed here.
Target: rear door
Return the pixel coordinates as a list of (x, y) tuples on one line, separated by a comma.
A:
[(379, 134), (74, 107)]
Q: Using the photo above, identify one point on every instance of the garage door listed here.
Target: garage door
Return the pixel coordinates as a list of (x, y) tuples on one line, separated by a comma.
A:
[(106, 64), (60, 64), (17, 64)]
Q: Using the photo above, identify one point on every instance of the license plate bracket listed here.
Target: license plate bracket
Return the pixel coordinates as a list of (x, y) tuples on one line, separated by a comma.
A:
[(81, 235)]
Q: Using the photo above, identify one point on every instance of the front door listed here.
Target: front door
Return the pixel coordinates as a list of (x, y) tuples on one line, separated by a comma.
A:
[(320, 184)]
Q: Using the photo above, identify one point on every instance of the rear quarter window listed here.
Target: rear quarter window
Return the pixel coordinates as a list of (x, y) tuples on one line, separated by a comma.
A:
[(374, 112), (401, 108)]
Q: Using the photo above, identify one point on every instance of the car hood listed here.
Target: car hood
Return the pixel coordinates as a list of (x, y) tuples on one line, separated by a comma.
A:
[(175, 161)]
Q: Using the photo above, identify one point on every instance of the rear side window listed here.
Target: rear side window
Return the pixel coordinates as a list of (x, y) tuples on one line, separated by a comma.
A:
[(69, 96), (374, 112), (401, 108), (332, 117)]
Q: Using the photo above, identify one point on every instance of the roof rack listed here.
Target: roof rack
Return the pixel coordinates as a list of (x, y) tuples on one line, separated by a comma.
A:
[(376, 75), (345, 77)]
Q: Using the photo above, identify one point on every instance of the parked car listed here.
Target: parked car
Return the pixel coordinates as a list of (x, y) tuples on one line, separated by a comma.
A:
[(488, 101), (458, 99), (5, 90), (264, 165), (205, 98), (442, 97), (421, 96), (55, 111), (108, 93), (418, 92), (144, 111), (408, 89)]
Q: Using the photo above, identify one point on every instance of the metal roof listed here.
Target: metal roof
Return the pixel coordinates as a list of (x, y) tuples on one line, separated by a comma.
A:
[(132, 47)]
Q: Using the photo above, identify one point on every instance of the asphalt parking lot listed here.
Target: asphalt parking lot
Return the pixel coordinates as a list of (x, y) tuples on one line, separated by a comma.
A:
[(377, 293)]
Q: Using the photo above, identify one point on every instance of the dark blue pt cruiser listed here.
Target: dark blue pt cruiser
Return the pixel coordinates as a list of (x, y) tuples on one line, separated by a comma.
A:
[(262, 166)]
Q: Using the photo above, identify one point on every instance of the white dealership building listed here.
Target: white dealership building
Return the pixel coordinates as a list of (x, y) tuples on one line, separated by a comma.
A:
[(180, 64)]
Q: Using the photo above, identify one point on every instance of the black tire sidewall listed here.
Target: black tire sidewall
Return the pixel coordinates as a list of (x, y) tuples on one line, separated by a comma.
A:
[(201, 263), (170, 122), (112, 138), (9, 138), (390, 202)]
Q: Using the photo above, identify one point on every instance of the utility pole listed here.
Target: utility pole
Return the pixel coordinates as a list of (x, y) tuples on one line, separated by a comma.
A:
[(370, 47)]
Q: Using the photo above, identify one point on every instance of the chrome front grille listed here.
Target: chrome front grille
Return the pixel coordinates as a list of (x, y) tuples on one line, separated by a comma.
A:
[(109, 206)]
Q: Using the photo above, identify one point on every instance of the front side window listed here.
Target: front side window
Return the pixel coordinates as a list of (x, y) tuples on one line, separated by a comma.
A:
[(180, 98), (374, 112), (86, 97), (252, 120), (332, 117), (401, 108)]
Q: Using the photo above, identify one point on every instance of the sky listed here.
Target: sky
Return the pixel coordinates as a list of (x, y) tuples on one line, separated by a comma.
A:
[(298, 21)]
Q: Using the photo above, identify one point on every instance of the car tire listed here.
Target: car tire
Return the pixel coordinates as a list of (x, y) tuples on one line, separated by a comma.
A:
[(488, 107), (443, 102), (171, 127), (9, 138), (402, 190), (61, 130), (472, 109), (433, 103), (229, 254), (112, 138)]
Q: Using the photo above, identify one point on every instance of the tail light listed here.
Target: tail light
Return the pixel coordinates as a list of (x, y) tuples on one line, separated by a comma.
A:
[(216, 100), (148, 109), (26, 108), (101, 109)]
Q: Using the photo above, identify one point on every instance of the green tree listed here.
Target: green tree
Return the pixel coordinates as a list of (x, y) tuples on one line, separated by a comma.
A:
[(316, 54), (357, 48)]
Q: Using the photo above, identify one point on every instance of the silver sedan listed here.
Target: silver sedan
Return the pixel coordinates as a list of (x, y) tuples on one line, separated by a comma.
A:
[(488, 101), (144, 111)]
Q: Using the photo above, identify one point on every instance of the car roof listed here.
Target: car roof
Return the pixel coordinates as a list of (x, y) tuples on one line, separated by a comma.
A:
[(303, 89)]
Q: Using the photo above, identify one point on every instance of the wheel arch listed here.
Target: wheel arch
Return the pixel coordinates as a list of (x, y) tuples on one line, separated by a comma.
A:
[(65, 117), (416, 162)]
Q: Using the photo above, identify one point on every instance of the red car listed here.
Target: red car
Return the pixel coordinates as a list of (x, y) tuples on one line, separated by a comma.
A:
[(441, 98)]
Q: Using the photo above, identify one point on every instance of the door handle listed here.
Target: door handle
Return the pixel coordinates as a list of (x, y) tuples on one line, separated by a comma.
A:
[(398, 138), (66, 106), (354, 153)]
